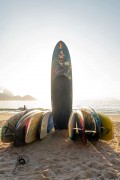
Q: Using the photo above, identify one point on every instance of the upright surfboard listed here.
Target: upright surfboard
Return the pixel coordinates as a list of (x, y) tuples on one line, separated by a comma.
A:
[(61, 86)]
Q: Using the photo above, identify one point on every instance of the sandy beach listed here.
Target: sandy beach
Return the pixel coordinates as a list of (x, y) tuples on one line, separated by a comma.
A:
[(57, 157)]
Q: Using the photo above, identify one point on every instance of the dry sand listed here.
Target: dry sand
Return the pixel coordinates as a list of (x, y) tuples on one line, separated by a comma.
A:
[(56, 157)]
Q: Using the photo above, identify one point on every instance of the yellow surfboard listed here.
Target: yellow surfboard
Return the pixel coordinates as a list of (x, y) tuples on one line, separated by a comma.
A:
[(107, 128), (31, 130)]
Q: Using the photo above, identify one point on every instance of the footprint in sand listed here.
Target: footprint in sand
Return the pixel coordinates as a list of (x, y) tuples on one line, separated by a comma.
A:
[(111, 175), (2, 172), (45, 174)]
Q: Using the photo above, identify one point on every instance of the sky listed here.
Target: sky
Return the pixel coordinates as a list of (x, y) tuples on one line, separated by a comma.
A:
[(29, 31)]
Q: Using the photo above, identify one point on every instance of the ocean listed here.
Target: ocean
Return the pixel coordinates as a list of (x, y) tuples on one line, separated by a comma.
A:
[(105, 106)]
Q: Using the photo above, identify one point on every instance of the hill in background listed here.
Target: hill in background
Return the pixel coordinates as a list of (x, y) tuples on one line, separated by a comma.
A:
[(6, 94)]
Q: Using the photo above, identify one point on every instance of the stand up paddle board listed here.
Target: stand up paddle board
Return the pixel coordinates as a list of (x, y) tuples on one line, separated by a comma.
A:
[(61, 86)]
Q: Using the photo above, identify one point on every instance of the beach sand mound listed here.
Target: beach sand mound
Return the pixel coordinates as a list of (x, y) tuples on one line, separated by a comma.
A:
[(57, 157)]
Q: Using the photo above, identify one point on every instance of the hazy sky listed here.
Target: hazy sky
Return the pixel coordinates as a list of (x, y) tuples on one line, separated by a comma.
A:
[(30, 29)]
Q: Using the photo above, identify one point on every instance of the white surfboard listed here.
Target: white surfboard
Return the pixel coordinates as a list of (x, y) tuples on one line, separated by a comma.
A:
[(31, 129), (47, 124)]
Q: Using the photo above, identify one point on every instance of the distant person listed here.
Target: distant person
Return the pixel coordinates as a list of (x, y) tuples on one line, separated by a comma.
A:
[(25, 108)]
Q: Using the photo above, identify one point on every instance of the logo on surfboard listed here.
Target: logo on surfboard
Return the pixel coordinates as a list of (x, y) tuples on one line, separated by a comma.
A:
[(61, 62)]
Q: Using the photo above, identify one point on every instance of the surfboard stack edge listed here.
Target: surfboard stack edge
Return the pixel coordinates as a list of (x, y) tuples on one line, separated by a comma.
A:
[(90, 125)]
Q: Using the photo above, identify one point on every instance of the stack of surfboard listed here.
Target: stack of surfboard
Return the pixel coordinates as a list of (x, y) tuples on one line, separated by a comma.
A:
[(27, 126), (90, 125), (84, 122)]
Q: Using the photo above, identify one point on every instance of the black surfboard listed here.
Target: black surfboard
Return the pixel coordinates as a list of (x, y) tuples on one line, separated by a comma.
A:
[(61, 86)]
